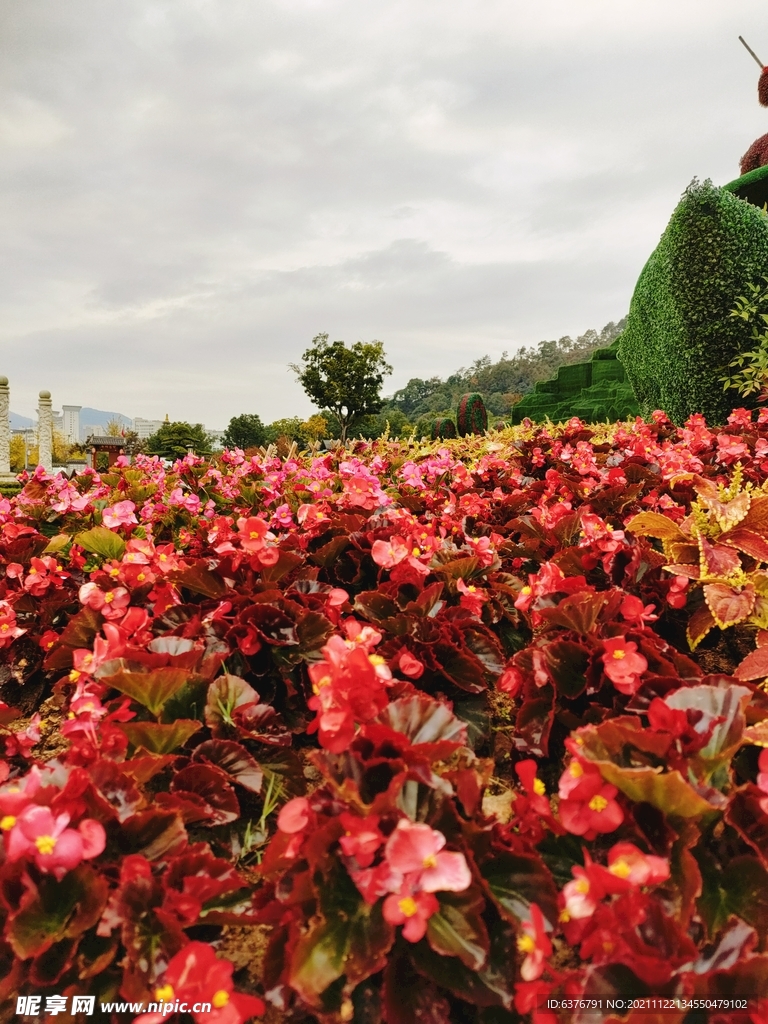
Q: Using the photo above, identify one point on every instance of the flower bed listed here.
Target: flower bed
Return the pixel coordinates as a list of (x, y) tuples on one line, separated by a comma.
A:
[(401, 734)]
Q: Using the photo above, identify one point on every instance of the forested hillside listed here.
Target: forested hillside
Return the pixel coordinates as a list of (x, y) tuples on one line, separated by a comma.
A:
[(502, 383)]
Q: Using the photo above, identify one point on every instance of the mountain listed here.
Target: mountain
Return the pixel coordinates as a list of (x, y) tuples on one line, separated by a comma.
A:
[(93, 417), (20, 422)]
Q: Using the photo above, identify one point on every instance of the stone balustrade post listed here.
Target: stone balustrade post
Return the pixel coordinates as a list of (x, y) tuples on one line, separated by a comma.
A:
[(5, 427), (45, 431)]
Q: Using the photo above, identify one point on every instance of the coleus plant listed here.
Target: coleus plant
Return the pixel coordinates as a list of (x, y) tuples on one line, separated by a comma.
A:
[(423, 719)]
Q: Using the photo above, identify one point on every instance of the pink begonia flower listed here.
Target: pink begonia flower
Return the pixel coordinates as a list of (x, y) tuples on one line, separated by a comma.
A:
[(762, 779), (295, 815), (623, 664), (412, 909), (198, 977), (17, 795), (119, 514), (471, 598), (627, 862), (111, 603), (388, 553), (510, 681), (190, 502), (580, 896), (410, 665), (9, 629), (361, 838), (417, 850), (535, 944), (54, 847)]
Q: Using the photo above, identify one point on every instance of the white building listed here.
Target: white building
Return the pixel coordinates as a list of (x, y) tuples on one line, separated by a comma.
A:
[(71, 422), (146, 428)]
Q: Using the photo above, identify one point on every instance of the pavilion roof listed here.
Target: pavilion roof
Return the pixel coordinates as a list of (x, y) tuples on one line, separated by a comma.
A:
[(104, 441)]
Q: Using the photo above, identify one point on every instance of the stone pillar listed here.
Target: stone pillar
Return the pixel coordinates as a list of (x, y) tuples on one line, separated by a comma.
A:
[(45, 431), (5, 427)]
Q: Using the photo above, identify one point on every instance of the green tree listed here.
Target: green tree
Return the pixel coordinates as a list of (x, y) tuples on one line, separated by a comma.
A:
[(245, 431), (173, 440), (290, 428), (345, 381)]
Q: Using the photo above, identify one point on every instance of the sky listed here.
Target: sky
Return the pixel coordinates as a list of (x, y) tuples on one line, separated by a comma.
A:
[(190, 191)]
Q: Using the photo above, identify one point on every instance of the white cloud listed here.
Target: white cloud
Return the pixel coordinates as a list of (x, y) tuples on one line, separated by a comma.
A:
[(189, 192)]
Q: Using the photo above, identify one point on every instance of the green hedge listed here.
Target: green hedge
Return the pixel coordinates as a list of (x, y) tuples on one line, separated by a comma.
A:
[(595, 391), (679, 337)]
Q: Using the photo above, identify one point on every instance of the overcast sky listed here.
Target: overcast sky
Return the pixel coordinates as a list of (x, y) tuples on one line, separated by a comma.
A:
[(191, 190)]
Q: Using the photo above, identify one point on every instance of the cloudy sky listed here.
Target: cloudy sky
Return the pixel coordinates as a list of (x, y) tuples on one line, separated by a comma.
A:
[(191, 190)]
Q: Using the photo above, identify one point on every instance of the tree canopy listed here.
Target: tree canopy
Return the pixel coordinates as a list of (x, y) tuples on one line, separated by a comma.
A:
[(345, 381), (173, 440), (245, 431)]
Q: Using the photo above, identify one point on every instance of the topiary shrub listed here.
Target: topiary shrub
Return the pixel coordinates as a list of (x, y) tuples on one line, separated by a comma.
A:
[(679, 337), (442, 428), (471, 415)]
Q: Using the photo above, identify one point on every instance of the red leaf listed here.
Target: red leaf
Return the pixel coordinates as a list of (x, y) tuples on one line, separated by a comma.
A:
[(748, 541), (718, 560), (234, 759), (754, 666), (210, 785), (729, 606), (700, 623)]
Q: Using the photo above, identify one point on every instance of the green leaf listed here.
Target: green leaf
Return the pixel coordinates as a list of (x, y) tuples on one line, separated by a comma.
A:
[(742, 889), (56, 910), (458, 929), (200, 580), (101, 541), (492, 985), (152, 689), (351, 939), (82, 628), (158, 738), (668, 791), (57, 544), (515, 880)]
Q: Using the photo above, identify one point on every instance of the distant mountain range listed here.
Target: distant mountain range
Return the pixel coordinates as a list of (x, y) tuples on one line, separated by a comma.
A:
[(92, 417), (88, 417)]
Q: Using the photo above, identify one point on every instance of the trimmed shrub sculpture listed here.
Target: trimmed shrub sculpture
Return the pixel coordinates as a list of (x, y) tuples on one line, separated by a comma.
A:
[(680, 336), (471, 415), (442, 428), (595, 391)]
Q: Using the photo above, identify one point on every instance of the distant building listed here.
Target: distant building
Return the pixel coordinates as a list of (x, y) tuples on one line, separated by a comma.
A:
[(217, 437), (71, 422), (58, 422), (146, 428), (87, 429)]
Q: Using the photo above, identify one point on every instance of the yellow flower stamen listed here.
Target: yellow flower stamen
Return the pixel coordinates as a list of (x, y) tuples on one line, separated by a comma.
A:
[(620, 654), (575, 769), (416, 552), (598, 803), (620, 868), (7, 822), (407, 906), (109, 597), (317, 687), (526, 944), (430, 861), (539, 788), (582, 886), (526, 591), (165, 994), (220, 998), (45, 844)]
